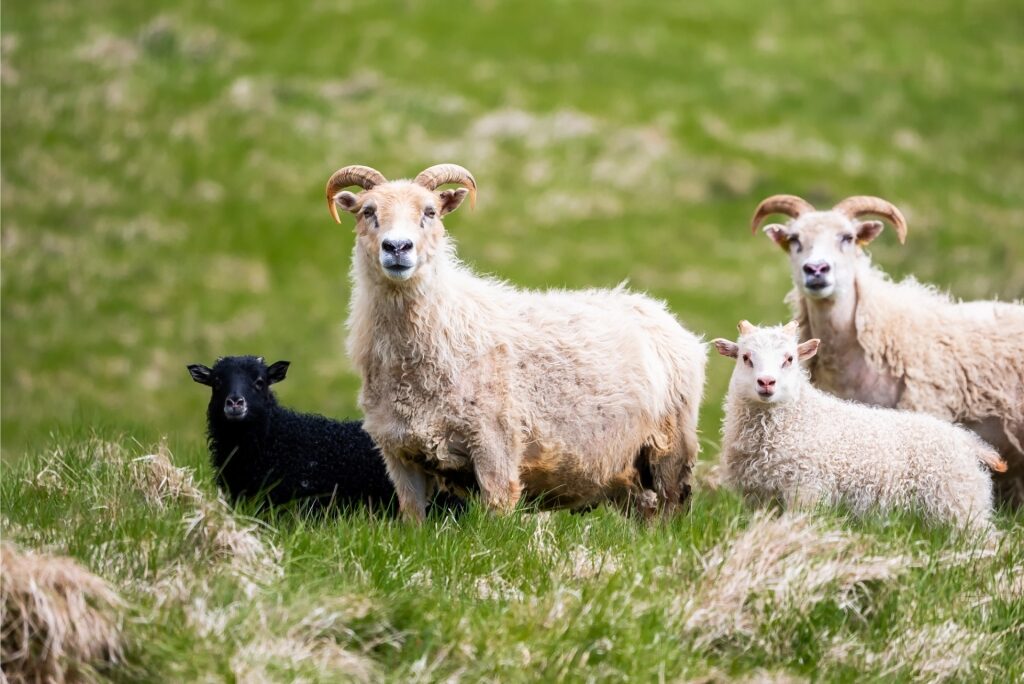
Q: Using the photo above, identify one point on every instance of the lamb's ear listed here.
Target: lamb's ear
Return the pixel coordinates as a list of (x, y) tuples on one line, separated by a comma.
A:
[(346, 201), (451, 199), (868, 231), (808, 349), (277, 371), (778, 233), (201, 374), (726, 348)]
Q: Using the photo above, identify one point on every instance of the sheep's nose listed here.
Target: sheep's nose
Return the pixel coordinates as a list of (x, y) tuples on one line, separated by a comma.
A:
[(234, 402), (396, 246), (817, 268), (766, 383)]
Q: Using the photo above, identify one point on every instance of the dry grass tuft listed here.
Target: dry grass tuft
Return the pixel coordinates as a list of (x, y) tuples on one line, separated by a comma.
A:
[(160, 480), (933, 653), (59, 620), (936, 653), (788, 563), (316, 642), (221, 538)]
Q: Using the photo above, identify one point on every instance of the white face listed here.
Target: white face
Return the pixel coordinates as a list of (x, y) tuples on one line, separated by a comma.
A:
[(398, 225), (823, 248), (767, 363)]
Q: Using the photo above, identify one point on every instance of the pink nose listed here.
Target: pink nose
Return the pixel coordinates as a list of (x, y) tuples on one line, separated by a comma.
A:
[(766, 383)]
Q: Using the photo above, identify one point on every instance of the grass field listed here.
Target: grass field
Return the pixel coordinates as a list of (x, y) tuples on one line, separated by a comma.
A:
[(162, 177)]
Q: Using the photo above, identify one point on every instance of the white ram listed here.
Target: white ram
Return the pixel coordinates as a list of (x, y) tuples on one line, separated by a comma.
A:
[(569, 397)]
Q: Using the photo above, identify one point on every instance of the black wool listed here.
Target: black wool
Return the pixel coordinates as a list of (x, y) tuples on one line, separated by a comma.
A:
[(262, 450)]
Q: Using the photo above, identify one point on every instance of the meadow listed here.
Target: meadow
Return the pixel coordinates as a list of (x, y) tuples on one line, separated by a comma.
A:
[(163, 168)]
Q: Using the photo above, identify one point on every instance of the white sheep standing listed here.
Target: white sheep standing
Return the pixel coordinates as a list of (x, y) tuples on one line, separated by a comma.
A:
[(784, 440), (570, 397), (901, 345)]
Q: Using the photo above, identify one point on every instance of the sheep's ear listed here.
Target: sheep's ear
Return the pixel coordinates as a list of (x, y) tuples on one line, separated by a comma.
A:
[(868, 231), (201, 374), (726, 348), (807, 349), (277, 371), (778, 233), (346, 201), (451, 199)]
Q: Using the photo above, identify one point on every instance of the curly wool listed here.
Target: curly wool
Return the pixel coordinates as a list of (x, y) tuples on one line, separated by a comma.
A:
[(821, 448), (294, 455), (960, 361)]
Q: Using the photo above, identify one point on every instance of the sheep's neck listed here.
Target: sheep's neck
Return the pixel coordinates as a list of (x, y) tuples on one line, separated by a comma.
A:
[(842, 368), (749, 422), (413, 323)]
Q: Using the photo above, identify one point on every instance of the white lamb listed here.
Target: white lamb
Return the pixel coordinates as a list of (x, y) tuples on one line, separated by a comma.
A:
[(572, 398), (785, 441)]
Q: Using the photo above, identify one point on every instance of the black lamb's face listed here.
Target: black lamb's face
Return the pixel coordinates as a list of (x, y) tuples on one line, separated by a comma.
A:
[(241, 385)]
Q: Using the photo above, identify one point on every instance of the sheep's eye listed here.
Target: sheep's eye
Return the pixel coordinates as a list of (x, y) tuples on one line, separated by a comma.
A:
[(746, 360), (217, 383), (846, 239), (794, 244), (259, 384), (788, 361), (369, 212)]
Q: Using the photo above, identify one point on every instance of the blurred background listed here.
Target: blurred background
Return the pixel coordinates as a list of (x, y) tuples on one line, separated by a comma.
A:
[(163, 166)]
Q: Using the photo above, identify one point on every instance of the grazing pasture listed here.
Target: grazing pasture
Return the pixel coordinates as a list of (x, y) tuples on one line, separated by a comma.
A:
[(163, 167)]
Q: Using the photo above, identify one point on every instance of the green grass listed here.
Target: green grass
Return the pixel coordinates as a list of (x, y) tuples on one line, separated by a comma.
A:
[(163, 168)]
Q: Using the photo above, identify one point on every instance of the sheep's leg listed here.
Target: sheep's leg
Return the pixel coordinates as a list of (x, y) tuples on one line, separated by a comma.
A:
[(496, 458), (672, 464), (410, 486)]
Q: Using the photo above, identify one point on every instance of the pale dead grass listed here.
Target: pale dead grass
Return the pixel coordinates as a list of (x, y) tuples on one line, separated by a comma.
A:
[(940, 652), (314, 644), (59, 622), (757, 677), (161, 481), (786, 563), (577, 563), (494, 587), (211, 527), (222, 539)]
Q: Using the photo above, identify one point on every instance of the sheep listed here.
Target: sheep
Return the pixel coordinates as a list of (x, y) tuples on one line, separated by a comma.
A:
[(785, 441), (266, 452), (569, 398), (901, 345)]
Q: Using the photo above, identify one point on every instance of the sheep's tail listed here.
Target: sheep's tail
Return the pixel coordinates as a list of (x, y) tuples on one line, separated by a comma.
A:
[(993, 461)]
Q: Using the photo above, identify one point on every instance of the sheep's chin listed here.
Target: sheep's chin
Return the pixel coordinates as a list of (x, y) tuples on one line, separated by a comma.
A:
[(398, 269), (399, 276), (772, 399), (822, 293)]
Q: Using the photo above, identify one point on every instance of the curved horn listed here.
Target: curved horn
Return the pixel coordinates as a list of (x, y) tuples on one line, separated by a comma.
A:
[(363, 176), (435, 176), (859, 205), (790, 205)]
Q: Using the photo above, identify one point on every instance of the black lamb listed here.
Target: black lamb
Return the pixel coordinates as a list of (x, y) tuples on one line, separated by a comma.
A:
[(264, 451)]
